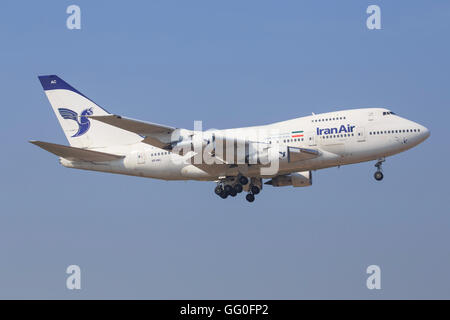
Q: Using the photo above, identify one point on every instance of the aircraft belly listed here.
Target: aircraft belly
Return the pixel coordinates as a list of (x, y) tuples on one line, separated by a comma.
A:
[(193, 172)]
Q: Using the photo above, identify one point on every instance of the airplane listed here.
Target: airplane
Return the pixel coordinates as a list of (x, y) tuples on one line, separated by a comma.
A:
[(283, 153)]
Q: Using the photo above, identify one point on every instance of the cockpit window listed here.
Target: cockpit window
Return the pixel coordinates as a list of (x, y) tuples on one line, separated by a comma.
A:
[(385, 113)]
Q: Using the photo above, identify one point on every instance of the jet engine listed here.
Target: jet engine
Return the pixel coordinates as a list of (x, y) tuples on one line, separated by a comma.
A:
[(295, 179)]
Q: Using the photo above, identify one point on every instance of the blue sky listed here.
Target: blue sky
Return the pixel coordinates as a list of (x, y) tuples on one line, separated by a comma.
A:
[(229, 64)]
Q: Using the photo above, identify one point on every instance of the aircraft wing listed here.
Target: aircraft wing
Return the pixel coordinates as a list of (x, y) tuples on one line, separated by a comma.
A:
[(299, 154), (76, 154), (142, 128), (153, 133)]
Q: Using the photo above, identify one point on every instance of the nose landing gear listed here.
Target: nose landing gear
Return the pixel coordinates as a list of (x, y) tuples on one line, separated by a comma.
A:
[(378, 175)]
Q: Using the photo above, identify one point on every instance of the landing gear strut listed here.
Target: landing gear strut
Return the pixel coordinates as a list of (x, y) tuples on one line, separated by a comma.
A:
[(378, 175), (254, 188)]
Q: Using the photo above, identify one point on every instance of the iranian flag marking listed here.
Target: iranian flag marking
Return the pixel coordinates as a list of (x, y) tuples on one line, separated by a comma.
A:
[(296, 134)]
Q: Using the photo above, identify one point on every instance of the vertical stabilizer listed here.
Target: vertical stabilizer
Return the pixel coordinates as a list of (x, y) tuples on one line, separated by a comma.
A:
[(72, 109)]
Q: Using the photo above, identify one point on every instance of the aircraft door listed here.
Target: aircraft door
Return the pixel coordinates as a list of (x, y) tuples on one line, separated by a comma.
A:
[(140, 157), (310, 138), (360, 134)]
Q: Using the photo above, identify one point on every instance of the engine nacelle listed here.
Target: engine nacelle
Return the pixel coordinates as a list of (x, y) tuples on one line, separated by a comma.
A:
[(295, 179)]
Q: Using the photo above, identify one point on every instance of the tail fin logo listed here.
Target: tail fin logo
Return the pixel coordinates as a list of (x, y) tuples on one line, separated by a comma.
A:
[(83, 121)]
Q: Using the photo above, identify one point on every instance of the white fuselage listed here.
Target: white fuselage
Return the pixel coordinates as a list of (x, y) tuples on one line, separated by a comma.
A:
[(341, 137)]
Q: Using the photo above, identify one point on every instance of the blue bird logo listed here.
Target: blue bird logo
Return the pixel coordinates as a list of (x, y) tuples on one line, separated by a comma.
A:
[(83, 122)]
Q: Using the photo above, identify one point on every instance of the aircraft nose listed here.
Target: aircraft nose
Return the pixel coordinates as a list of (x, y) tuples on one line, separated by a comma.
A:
[(425, 132)]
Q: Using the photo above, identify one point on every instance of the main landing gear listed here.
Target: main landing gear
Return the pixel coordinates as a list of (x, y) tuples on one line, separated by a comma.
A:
[(233, 185), (378, 175), (224, 189)]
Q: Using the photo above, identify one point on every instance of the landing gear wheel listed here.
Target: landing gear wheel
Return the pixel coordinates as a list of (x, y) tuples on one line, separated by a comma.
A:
[(243, 180), (254, 189), (228, 188), (238, 188), (378, 175), (233, 193), (218, 190), (223, 194), (250, 197)]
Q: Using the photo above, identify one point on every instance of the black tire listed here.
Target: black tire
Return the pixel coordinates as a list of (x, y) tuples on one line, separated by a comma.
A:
[(254, 189), (218, 190), (378, 175), (243, 180), (238, 188), (228, 188), (233, 193), (250, 197), (223, 194)]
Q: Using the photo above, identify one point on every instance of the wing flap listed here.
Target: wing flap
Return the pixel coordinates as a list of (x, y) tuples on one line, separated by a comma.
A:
[(76, 154)]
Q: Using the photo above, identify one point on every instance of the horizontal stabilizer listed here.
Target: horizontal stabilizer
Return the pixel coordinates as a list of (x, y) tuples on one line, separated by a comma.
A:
[(76, 154)]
